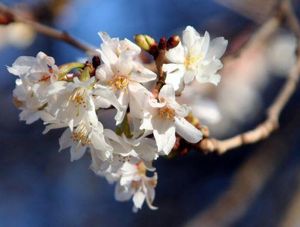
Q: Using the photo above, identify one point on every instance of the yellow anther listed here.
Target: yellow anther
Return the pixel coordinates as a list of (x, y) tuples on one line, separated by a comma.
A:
[(79, 97), (167, 113), (192, 60), (119, 82), (81, 134)]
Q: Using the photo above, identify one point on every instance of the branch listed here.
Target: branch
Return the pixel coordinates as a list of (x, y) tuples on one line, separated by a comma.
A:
[(159, 61), (46, 30), (264, 129)]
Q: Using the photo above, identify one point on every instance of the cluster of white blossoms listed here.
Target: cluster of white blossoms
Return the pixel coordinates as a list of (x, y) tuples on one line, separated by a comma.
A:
[(74, 95)]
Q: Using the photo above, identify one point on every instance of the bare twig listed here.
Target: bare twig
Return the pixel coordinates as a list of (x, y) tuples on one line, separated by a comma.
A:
[(46, 30), (159, 61), (264, 129)]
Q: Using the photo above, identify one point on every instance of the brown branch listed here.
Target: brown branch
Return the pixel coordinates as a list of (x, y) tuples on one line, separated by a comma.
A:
[(264, 129), (46, 30), (159, 61)]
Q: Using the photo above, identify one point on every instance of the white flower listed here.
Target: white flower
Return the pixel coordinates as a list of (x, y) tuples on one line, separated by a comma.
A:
[(196, 57), (74, 104), (125, 78), (124, 149), (130, 160), (32, 107), (36, 76), (35, 70), (134, 183), (85, 136), (165, 117), (113, 48)]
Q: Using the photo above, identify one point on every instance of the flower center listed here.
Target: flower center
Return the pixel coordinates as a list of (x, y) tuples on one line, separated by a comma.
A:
[(192, 60), (119, 82), (167, 113), (44, 78), (18, 103), (79, 97), (81, 135), (141, 168), (123, 159)]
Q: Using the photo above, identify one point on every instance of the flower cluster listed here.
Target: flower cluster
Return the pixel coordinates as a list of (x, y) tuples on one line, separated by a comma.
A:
[(74, 95)]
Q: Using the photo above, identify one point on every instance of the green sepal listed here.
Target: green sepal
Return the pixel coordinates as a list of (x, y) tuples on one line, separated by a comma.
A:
[(68, 67), (124, 128)]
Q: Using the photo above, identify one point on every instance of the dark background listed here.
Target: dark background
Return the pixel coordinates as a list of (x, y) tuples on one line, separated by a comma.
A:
[(41, 187)]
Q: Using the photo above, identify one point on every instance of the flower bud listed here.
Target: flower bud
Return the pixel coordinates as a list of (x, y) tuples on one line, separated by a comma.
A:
[(162, 43), (85, 75), (173, 41), (66, 68), (6, 18), (145, 41), (96, 61)]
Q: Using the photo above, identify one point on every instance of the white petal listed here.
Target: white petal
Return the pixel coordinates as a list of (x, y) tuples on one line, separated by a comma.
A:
[(205, 40), (56, 87), (175, 73), (147, 149), (217, 47), (109, 96), (100, 144), (164, 134), (123, 98), (167, 92), (29, 116), (189, 36), (108, 56), (123, 67), (77, 151), (104, 36), (131, 46), (122, 193), (22, 65), (189, 76), (142, 75), (139, 97), (187, 130), (138, 199), (176, 54), (65, 140)]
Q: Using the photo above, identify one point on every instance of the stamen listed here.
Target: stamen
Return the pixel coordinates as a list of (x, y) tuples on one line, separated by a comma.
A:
[(141, 168), (191, 60), (119, 82), (79, 97), (18, 103), (167, 113), (81, 134), (44, 78)]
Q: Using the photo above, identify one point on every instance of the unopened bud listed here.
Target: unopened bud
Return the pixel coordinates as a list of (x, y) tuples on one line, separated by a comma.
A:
[(85, 75), (145, 41), (6, 18), (173, 41), (162, 44), (96, 61), (68, 67)]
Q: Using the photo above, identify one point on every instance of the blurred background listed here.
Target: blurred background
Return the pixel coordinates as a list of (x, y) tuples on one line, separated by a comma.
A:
[(256, 185)]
